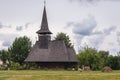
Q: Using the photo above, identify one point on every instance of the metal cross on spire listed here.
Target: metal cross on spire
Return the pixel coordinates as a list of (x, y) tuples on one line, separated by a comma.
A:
[(44, 2)]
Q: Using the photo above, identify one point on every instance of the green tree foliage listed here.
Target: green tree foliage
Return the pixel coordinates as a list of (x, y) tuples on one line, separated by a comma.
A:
[(103, 57), (89, 57), (15, 66), (20, 49), (113, 62), (98, 59), (4, 56), (65, 38)]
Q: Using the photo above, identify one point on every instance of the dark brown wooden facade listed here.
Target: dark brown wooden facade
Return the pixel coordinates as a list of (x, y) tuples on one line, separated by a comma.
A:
[(51, 54), (56, 65)]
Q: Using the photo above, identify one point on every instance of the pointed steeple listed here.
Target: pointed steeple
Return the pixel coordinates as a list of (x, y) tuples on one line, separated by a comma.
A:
[(44, 24)]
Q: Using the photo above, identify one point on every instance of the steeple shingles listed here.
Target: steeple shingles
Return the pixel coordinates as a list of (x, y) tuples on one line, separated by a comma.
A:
[(44, 24)]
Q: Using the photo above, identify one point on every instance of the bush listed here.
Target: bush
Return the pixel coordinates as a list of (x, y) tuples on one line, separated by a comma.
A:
[(29, 66), (3, 67), (15, 66), (106, 69)]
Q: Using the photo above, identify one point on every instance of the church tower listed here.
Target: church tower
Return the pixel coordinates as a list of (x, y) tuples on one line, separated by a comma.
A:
[(44, 34), (48, 54)]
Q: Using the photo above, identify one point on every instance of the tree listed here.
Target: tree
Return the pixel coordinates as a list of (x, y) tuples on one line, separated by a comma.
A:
[(4, 56), (65, 38), (113, 62), (89, 57), (104, 56), (20, 49)]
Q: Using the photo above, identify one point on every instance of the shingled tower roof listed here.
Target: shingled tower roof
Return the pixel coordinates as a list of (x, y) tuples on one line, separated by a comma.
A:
[(44, 24)]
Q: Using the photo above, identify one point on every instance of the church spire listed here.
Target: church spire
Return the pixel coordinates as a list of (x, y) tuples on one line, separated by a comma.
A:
[(44, 2), (44, 24)]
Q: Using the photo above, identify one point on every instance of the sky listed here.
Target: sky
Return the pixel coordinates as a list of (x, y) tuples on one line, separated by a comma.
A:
[(95, 23)]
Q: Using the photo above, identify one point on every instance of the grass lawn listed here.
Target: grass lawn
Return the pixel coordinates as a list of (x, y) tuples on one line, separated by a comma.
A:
[(58, 75)]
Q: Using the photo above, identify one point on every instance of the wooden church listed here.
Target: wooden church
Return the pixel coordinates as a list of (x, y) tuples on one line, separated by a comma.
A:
[(50, 54)]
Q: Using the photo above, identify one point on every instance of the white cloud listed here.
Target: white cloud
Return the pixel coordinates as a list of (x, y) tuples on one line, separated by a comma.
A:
[(19, 28), (7, 39), (118, 37), (85, 27), (86, 33), (95, 30), (4, 25)]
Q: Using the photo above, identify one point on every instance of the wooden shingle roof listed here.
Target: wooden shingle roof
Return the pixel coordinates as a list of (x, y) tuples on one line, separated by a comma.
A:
[(56, 52)]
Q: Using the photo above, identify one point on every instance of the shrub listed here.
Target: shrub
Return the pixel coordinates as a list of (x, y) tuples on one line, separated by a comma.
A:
[(29, 66), (3, 67), (15, 66)]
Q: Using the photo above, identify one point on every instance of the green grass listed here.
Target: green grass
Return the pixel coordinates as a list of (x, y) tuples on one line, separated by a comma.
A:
[(58, 75)]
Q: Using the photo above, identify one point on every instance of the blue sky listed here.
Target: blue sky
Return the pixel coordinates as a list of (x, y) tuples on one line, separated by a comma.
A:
[(95, 23)]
